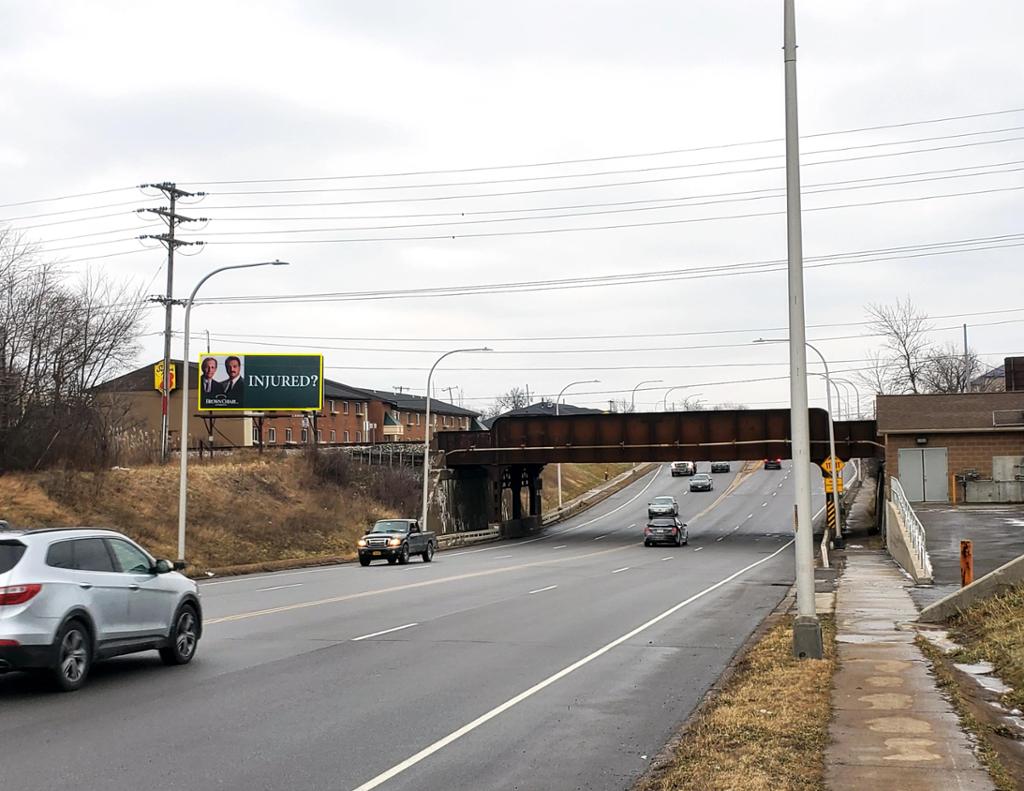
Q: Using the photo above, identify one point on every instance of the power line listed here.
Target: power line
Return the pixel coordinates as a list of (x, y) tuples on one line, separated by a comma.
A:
[(577, 187), (718, 146), (65, 197)]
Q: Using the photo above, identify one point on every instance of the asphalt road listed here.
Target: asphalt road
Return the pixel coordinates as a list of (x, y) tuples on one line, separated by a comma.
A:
[(559, 662)]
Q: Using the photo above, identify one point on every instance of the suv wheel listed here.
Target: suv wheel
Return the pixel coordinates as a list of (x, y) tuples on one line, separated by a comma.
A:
[(364, 561), (403, 555), (74, 656), (184, 637), (428, 553)]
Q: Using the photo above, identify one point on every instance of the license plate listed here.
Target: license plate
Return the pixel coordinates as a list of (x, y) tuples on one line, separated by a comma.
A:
[(376, 554)]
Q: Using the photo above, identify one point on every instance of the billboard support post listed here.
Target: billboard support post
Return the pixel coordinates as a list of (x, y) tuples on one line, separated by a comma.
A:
[(183, 475)]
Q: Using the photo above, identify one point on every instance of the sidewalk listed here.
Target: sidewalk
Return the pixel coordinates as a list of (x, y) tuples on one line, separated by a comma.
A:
[(891, 727)]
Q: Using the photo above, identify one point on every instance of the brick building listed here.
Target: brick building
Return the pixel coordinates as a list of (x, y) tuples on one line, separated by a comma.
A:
[(963, 447), (350, 415)]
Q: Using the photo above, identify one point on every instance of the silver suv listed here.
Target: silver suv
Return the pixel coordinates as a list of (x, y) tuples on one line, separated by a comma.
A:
[(72, 595)]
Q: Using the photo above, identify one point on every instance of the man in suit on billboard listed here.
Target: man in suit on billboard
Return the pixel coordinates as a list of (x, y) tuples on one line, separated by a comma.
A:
[(234, 387), (208, 386)]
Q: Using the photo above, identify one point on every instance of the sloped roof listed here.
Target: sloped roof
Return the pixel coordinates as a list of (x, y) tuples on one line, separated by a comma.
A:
[(415, 403), (548, 408)]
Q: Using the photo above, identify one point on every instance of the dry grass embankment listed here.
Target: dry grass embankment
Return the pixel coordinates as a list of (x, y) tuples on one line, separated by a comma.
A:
[(577, 479), (766, 730), (248, 511), (993, 631)]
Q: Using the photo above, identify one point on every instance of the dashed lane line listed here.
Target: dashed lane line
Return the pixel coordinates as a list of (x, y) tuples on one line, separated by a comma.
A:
[(385, 631), (541, 590), (279, 587), (624, 568)]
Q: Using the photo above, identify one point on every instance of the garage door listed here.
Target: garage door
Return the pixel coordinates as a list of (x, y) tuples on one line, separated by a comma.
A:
[(924, 474)]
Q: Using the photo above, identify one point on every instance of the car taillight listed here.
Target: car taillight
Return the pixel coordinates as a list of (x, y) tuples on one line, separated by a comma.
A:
[(18, 594)]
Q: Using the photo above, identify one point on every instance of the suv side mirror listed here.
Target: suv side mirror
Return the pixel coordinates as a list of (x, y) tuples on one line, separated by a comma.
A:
[(179, 565), (163, 567)]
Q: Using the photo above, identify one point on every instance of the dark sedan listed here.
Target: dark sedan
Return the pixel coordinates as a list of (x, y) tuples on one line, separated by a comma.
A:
[(665, 530), (701, 482), (720, 466), (773, 464)]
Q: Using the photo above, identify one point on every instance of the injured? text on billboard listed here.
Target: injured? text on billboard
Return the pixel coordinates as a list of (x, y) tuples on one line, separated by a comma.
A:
[(261, 382)]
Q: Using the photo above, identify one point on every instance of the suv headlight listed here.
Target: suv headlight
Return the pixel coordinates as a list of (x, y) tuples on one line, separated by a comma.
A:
[(394, 542), (361, 542)]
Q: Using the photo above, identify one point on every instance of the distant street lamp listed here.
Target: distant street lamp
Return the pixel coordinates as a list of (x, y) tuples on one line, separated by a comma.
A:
[(664, 405), (426, 433), (632, 397), (557, 402), (183, 476), (831, 433), (853, 387)]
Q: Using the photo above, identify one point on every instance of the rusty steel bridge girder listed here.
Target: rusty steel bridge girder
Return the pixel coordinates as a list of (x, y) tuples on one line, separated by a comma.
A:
[(725, 435)]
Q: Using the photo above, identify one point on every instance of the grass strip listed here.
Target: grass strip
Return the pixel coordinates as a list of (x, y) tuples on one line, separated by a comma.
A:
[(766, 730)]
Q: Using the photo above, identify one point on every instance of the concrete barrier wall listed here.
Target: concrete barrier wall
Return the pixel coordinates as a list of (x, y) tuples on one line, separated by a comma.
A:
[(995, 491), (995, 582), (897, 541)]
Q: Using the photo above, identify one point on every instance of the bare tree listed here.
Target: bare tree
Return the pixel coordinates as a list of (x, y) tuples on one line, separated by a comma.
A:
[(904, 332), (514, 398), (57, 341), (948, 370)]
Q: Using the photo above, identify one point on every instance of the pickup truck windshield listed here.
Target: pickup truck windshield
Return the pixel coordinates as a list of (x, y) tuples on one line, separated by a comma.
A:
[(391, 526)]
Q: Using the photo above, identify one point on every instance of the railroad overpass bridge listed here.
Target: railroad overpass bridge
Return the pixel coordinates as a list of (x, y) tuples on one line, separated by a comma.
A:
[(475, 469)]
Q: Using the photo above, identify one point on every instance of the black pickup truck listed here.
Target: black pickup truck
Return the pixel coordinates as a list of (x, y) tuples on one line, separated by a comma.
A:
[(396, 540)]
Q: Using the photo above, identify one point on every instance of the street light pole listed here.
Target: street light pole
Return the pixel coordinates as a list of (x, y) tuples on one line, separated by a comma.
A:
[(664, 404), (426, 434), (632, 397), (557, 402), (183, 441), (807, 641), (853, 387)]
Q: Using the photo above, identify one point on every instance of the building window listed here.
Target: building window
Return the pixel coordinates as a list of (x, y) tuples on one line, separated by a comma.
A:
[(344, 407), (319, 436), (334, 435), (271, 435), (305, 436), (359, 436), (346, 437), (287, 435), (334, 411), (417, 418), (255, 435)]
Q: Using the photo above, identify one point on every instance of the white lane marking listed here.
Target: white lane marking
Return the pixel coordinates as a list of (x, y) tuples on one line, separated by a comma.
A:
[(750, 516), (719, 538), (633, 525), (280, 587), (272, 576), (469, 727), (775, 494), (624, 568), (386, 631), (698, 549), (764, 504), (501, 557), (541, 590), (668, 558), (560, 546), (598, 538)]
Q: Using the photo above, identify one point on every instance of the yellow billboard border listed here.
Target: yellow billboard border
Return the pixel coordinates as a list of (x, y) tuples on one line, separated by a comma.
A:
[(199, 393)]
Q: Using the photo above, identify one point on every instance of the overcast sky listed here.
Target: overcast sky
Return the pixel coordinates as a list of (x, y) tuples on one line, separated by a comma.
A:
[(108, 95)]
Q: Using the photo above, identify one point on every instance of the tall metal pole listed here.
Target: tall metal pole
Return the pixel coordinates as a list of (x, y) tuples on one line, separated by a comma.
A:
[(632, 397), (664, 402), (967, 373), (557, 402), (183, 475), (426, 435), (165, 388), (806, 627)]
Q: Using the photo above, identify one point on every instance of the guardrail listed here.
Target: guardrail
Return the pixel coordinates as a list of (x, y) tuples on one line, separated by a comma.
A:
[(915, 530), (448, 540)]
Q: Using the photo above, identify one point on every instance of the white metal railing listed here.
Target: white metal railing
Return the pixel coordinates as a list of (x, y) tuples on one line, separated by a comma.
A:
[(915, 530)]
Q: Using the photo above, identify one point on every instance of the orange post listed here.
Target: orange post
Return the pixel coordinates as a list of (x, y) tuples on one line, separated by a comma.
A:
[(966, 563), (952, 487)]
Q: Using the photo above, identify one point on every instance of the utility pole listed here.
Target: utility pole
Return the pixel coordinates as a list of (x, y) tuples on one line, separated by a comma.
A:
[(400, 389), (172, 218), (807, 641), (967, 358), (449, 391)]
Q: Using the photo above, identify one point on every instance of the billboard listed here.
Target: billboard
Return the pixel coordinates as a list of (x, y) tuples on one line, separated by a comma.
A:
[(261, 382)]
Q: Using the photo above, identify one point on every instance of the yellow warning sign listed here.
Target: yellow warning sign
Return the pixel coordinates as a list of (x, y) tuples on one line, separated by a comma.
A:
[(828, 485), (158, 377), (829, 469)]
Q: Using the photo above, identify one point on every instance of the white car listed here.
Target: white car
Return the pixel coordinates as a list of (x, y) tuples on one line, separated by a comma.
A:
[(71, 596)]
